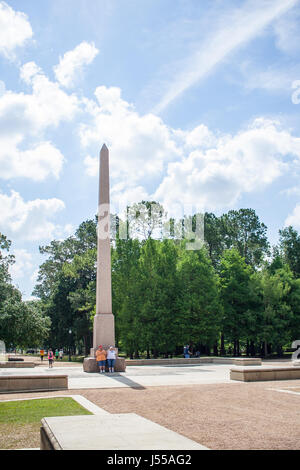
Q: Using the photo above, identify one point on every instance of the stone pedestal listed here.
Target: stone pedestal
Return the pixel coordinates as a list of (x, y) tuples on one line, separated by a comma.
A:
[(90, 365), (104, 330)]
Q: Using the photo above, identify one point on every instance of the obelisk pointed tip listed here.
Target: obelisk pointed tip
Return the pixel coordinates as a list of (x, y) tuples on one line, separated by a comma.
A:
[(104, 147)]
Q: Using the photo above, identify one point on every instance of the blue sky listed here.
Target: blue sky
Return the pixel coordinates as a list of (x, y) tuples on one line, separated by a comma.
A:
[(196, 100)]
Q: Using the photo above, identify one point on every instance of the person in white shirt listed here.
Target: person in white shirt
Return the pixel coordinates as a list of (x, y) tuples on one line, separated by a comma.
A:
[(111, 358)]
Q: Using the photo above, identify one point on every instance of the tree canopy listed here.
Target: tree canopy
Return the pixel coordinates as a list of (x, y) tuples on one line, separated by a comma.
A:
[(232, 295)]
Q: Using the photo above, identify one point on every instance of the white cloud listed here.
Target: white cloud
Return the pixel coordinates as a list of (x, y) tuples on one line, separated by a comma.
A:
[(172, 166), (200, 136), (15, 30), (36, 163), (287, 35), (23, 263), (73, 62), (294, 218), (272, 78), (217, 177), (140, 146), (48, 104), (293, 191), (235, 29), (2, 88), (123, 195), (91, 165), (24, 116), (29, 220), (28, 71)]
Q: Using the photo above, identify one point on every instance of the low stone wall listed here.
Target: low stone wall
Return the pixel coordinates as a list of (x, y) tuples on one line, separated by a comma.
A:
[(246, 361), (182, 360), (173, 361), (29, 383), (262, 374), (90, 365), (114, 432), (48, 440), (17, 365)]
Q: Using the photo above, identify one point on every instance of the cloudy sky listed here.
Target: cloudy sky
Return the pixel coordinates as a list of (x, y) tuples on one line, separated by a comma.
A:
[(198, 102)]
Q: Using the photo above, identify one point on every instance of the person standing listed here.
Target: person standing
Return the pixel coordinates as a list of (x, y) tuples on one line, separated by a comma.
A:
[(111, 358), (101, 359), (42, 354), (61, 353), (186, 351), (50, 358), (56, 354)]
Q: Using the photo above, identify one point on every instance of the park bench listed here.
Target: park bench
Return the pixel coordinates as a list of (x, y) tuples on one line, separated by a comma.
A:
[(29, 383), (265, 373)]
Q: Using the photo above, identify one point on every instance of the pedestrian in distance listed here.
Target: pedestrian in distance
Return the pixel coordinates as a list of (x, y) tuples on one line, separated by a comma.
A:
[(61, 353), (56, 354), (111, 358), (186, 351), (42, 354), (50, 358), (101, 359)]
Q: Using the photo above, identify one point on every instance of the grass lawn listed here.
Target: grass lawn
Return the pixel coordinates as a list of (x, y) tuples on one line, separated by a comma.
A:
[(20, 420)]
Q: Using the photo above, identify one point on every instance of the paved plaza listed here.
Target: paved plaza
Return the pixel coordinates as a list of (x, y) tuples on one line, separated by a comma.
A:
[(199, 402), (135, 376), (138, 376)]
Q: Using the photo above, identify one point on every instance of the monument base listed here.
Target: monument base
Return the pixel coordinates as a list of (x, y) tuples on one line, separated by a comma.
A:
[(104, 330), (90, 365)]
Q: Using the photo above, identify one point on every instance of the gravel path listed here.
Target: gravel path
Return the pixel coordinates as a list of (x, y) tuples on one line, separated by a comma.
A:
[(219, 416)]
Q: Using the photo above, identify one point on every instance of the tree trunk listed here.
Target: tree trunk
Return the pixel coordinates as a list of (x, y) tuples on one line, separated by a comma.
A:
[(265, 348), (216, 352), (222, 348), (252, 348), (279, 351), (248, 348)]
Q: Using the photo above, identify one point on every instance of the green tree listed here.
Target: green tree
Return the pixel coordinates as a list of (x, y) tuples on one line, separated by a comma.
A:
[(145, 219), (243, 230), (125, 294), (277, 316), (66, 285), (200, 308), (235, 276), (159, 288), (214, 237), (289, 246), (21, 323)]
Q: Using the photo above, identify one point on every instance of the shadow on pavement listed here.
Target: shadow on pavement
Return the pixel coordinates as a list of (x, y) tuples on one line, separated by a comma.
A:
[(125, 380)]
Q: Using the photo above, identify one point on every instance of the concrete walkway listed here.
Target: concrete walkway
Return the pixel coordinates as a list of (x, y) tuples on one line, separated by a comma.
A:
[(140, 377), (135, 376)]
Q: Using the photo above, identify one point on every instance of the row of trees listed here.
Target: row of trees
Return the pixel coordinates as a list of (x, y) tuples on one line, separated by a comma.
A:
[(232, 295), (21, 323)]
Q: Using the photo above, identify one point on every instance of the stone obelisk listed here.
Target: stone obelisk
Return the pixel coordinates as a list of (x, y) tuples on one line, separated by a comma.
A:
[(104, 322)]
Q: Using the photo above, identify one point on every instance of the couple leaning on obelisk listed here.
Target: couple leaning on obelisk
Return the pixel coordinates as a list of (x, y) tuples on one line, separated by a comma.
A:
[(104, 322)]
